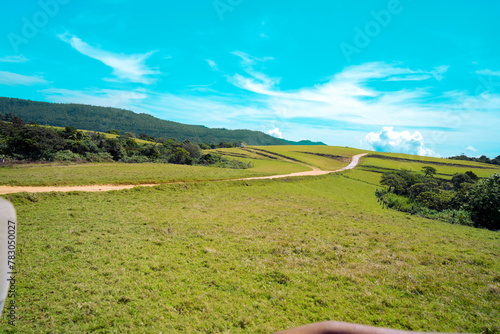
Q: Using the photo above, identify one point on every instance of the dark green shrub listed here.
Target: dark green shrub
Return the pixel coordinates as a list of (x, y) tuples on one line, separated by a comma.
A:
[(484, 203)]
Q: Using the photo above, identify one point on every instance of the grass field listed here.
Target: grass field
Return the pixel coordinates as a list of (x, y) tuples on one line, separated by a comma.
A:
[(123, 173), (333, 158), (445, 168), (246, 257)]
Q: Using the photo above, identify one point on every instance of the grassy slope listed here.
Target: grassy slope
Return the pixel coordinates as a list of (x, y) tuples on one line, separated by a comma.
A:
[(252, 257), (119, 173), (321, 162), (431, 159), (123, 173), (443, 170)]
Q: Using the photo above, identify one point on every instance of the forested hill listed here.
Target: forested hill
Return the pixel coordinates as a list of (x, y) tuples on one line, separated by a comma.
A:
[(102, 119)]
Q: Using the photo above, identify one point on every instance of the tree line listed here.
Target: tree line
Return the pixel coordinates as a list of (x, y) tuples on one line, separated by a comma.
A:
[(484, 159), (464, 199), (20, 141)]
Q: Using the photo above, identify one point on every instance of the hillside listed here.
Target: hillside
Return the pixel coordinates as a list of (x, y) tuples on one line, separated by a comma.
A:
[(102, 119), (196, 256)]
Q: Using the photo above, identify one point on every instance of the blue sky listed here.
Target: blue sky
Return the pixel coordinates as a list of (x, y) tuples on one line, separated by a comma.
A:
[(419, 77)]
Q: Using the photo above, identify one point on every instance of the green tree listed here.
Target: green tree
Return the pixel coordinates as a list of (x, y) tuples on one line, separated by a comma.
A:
[(459, 179), (429, 171), (484, 203), (180, 156), (193, 149), (114, 147), (436, 201), (419, 188), (472, 175), (394, 182)]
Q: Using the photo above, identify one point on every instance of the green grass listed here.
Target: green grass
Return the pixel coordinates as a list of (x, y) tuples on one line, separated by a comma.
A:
[(326, 163), (364, 176), (242, 256), (432, 160), (445, 167), (123, 173), (236, 153), (246, 257)]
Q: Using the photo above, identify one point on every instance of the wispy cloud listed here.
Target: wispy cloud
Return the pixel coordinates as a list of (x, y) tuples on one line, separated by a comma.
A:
[(212, 64), (100, 97), (256, 82), (348, 96), (489, 72), (250, 60), (130, 68), (14, 79), (13, 59)]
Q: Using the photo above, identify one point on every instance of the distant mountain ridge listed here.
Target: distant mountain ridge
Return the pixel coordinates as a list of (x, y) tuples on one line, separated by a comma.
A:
[(87, 117)]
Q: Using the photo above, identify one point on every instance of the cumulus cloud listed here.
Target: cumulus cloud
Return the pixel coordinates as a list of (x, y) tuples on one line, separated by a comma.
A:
[(14, 79), (275, 132), (131, 68), (389, 140)]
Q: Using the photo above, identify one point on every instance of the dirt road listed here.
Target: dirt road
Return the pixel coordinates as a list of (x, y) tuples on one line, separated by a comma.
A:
[(108, 187), (314, 171)]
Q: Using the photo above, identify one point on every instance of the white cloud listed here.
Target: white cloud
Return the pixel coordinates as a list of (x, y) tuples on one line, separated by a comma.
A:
[(14, 79), (13, 59), (212, 64), (389, 140), (439, 71), (356, 99), (258, 82), (349, 96), (411, 78), (488, 72), (275, 132), (101, 97), (126, 67), (470, 148), (248, 59)]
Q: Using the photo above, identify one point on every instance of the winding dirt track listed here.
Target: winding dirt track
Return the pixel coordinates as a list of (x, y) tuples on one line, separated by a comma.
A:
[(108, 187)]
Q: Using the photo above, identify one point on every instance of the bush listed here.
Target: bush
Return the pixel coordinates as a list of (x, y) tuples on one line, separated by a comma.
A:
[(135, 159), (484, 203), (436, 201), (67, 155), (462, 217), (99, 157)]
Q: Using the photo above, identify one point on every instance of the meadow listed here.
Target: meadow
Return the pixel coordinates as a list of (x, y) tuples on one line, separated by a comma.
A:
[(323, 157), (247, 257), (59, 174), (445, 167)]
